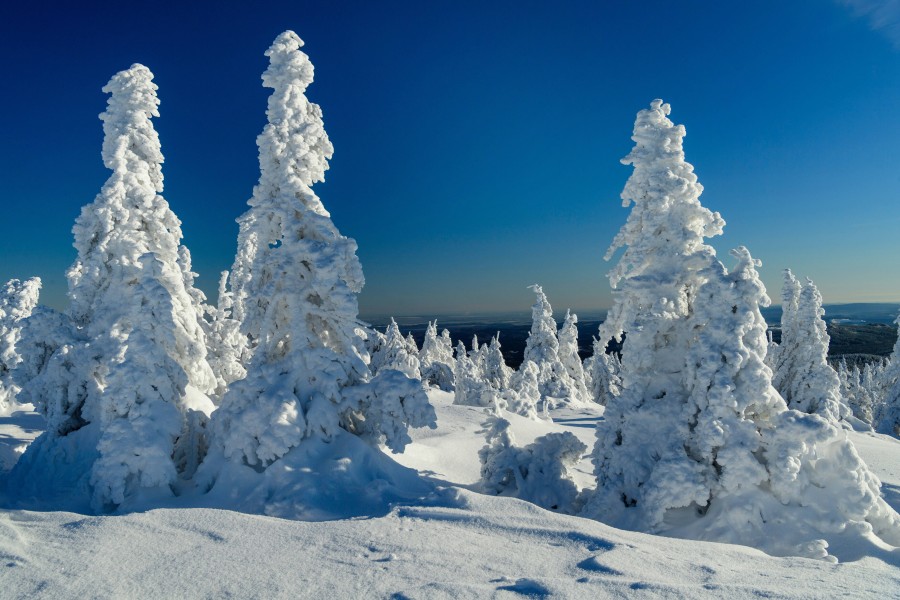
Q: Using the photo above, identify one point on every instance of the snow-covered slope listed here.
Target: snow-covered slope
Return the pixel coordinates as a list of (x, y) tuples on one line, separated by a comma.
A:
[(452, 543)]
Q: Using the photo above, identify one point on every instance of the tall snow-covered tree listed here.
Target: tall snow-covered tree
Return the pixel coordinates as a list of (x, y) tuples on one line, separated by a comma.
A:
[(808, 383), (114, 381), (295, 285), (784, 353), (17, 300), (698, 443), (436, 358), (542, 348)]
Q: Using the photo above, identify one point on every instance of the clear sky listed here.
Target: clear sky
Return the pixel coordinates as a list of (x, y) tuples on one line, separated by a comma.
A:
[(477, 144)]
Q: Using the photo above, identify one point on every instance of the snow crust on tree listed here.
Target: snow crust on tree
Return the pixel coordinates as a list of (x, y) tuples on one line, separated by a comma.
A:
[(436, 358), (395, 353), (538, 473), (807, 382), (17, 300), (114, 375), (542, 348), (698, 444), (295, 285)]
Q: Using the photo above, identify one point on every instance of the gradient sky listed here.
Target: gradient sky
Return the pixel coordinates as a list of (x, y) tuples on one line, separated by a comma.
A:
[(477, 144)]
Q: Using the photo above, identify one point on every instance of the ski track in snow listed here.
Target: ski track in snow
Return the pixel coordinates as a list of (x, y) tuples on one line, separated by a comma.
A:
[(459, 544)]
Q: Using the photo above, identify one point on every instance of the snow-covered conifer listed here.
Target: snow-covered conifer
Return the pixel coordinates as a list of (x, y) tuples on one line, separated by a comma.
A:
[(808, 383), (411, 346), (601, 372), (114, 381), (542, 348), (887, 413), (295, 284), (436, 358), (495, 370), (224, 341), (470, 388), (524, 394), (395, 353), (698, 443), (568, 353), (17, 300)]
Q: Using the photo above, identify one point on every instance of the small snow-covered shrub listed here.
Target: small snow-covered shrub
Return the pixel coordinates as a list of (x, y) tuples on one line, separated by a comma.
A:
[(538, 472)]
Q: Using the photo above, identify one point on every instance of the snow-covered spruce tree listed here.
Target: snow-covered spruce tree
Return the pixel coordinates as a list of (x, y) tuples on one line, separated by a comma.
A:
[(17, 300), (542, 348), (471, 389), (225, 341), (808, 383), (395, 353), (496, 372), (436, 358), (698, 443), (524, 395), (411, 346), (538, 472), (568, 353), (783, 354), (296, 280), (601, 371), (114, 383), (887, 412)]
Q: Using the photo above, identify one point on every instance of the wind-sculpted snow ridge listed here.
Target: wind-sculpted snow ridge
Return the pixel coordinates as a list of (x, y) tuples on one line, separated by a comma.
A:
[(114, 375), (295, 285), (698, 443), (17, 300)]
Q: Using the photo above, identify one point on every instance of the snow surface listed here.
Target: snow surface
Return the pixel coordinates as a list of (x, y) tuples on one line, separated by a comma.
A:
[(452, 542)]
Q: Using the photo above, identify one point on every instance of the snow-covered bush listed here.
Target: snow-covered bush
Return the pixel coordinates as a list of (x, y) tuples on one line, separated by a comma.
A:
[(17, 300), (542, 348), (114, 375), (295, 284), (538, 472), (436, 358), (698, 443)]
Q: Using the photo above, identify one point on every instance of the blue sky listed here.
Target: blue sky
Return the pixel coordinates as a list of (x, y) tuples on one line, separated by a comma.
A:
[(477, 144)]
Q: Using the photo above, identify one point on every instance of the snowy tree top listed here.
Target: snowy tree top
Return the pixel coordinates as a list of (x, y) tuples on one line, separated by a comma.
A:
[(665, 192), (126, 122)]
